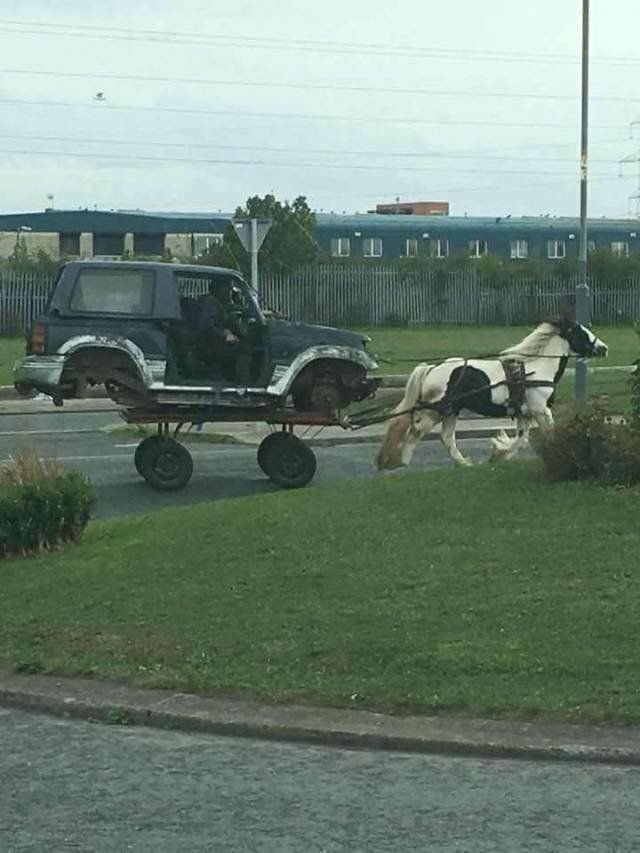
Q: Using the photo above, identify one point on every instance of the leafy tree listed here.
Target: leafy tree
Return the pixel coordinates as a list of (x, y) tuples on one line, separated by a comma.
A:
[(291, 241)]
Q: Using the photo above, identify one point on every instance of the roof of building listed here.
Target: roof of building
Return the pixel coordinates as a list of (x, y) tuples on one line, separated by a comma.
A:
[(368, 222), (166, 222), (116, 221)]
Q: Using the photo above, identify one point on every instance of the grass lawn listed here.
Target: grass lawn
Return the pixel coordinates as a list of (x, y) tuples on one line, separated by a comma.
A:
[(11, 349), (474, 591)]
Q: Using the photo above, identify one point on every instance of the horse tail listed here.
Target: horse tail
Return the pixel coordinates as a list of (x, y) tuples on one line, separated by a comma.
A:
[(401, 420)]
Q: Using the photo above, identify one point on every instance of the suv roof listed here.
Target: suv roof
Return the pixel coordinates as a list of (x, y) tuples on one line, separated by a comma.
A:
[(191, 269)]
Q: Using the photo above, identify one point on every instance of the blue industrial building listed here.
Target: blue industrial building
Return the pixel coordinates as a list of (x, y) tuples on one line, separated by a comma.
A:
[(370, 236)]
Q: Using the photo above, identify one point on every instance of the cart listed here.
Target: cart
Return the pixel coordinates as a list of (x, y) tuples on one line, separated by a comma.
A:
[(166, 464)]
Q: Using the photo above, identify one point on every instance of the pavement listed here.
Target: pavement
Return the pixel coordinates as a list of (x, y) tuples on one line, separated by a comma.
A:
[(118, 703)]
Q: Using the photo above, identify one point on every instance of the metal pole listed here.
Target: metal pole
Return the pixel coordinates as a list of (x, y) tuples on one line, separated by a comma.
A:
[(582, 288), (254, 254)]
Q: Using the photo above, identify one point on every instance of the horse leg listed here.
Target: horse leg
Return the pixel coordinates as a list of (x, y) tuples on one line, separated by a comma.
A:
[(506, 448), (421, 426), (448, 438), (401, 439), (544, 419)]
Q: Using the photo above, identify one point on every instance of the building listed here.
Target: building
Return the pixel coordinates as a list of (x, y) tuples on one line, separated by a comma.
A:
[(112, 234), (367, 236), (372, 236), (414, 208)]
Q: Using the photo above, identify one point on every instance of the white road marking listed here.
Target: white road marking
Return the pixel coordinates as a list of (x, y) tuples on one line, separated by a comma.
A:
[(46, 432)]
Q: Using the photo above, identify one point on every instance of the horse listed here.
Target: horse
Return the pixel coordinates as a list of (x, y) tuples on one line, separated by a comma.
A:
[(518, 383)]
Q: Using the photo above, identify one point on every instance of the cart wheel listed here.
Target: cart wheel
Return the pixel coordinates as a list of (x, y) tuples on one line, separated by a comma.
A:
[(142, 448), (288, 462), (166, 464), (263, 449)]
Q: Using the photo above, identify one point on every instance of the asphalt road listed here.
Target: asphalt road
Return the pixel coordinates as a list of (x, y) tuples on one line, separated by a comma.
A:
[(80, 786), (220, 471)]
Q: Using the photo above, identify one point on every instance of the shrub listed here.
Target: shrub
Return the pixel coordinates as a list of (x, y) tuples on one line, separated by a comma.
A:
[(41, 505), (588, 446)]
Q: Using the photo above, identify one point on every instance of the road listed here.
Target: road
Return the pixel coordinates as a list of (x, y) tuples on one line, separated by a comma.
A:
[(220, 471), (69, 785)]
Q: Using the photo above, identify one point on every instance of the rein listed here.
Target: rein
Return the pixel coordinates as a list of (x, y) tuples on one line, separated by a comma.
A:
[(437, 407)]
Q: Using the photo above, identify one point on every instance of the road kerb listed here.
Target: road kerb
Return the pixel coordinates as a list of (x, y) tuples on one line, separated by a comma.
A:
[(118, 703)]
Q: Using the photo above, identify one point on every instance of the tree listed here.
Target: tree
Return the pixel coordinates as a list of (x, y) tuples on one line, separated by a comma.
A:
[(291, 241)]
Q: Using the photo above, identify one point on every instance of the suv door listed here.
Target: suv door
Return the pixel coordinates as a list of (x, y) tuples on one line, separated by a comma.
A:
[(242, 317)]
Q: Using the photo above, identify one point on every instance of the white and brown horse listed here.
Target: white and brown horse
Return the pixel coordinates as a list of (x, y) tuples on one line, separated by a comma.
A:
[(437, 393)]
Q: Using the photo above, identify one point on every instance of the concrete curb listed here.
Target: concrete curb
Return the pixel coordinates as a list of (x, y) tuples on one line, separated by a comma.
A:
[(117, 703)]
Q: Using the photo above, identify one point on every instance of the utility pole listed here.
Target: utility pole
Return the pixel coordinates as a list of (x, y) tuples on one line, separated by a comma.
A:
[(582, 288)]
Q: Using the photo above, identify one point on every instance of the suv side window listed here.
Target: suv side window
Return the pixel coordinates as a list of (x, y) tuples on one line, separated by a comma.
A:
[(109, 291)]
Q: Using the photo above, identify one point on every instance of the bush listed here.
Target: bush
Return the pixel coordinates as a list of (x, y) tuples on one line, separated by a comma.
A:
[(588, 446), (41, 506)]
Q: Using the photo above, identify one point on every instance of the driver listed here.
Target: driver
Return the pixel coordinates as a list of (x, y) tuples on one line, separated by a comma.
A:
[(219, 343)]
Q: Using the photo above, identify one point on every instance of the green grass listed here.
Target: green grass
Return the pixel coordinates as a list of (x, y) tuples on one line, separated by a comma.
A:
[(480, 591), (11, 349)]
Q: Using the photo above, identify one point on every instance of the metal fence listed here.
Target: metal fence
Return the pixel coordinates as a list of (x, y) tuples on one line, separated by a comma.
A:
[(377, 296)]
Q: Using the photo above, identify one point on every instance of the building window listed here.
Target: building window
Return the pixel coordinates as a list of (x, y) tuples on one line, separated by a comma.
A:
[(478, 248), (204, 243), (148, 244), (111, 291), (69, 245), (108, 244), (411, 248), (372, 247), (620, 248), (556, 249), (340, 247), (519, 249), (439, 248)]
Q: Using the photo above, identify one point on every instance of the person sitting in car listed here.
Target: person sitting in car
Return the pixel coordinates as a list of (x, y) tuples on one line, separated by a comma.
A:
[(220, 338)]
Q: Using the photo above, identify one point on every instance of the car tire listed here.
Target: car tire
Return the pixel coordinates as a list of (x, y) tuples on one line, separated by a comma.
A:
[(288, 461), (142, 448), (166, 464), (263, 449)]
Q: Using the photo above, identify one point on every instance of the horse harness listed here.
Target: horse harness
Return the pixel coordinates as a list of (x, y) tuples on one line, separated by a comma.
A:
[(516, 379)]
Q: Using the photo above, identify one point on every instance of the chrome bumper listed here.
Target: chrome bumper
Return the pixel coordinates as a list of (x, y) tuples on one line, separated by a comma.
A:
[(38, 371)]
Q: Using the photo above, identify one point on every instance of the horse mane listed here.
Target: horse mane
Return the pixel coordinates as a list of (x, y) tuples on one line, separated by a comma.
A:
[(534, 343)]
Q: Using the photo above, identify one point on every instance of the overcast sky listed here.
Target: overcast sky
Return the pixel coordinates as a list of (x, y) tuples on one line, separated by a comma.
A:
[(484, 110)]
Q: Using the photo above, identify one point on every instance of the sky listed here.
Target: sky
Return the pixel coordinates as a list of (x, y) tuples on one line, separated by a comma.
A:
[(351, 103)]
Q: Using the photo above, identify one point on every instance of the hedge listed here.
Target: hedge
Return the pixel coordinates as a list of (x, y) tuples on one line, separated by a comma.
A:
[(43, 513)]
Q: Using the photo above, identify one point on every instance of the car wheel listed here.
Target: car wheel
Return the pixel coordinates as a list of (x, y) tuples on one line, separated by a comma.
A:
[(288, 461), (142, 448), (263, 449), (166, 464)]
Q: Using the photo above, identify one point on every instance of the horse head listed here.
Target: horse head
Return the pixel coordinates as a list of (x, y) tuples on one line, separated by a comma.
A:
[(581, 340)]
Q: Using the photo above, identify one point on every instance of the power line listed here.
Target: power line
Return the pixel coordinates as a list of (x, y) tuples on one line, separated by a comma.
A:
[(283, 164), (332, 152), (309, 45), (270, 84), (398, 120)]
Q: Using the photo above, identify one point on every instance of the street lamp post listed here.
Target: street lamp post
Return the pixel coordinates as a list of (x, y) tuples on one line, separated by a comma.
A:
[(582, 287)]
